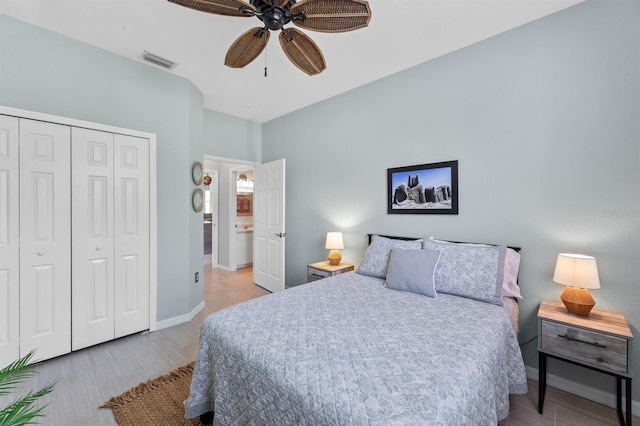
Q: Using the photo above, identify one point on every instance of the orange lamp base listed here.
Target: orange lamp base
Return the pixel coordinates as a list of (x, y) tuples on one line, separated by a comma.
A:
[(577, 300), (334, 257)]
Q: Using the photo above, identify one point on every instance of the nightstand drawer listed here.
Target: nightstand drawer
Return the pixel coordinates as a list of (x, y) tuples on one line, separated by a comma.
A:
[(317, 274), (585, 346), (319, 270)]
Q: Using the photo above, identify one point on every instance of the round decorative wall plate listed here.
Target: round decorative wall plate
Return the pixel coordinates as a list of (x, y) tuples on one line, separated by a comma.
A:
[(197, 200), (197, 173)]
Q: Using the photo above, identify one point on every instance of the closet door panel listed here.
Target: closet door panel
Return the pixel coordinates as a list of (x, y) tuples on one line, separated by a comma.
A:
[(131, 234), (45, 239), (9, 241), (92, 238)]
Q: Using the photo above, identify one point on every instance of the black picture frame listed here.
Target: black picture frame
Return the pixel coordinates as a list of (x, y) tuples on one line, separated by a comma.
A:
[(423, 189)]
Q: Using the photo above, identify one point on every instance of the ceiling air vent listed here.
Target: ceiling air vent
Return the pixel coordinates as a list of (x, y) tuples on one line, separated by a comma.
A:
[(157, 60)]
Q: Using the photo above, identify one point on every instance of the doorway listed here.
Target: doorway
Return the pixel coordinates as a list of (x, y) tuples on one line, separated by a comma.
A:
[(268, 231), (225, 219)]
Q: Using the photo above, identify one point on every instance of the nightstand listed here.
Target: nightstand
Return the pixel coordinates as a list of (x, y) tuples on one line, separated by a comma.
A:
[(600, 342), (317, 271)]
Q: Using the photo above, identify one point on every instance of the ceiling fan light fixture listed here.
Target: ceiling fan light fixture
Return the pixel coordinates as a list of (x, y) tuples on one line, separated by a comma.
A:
[(157, 60)]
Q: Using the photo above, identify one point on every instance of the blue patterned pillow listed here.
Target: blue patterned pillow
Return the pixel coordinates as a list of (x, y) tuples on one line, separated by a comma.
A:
[(470, 271), (413, 270), (376, 259)]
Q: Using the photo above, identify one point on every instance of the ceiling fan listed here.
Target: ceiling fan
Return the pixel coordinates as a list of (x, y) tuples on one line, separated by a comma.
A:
[(331, 16)]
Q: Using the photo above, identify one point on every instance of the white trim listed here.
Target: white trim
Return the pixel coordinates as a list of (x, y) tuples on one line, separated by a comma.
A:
[(230, 160), (153, 199), (180, 319), (153, 234), (224, 268), (214, 189), (33, 115), (596, 395)]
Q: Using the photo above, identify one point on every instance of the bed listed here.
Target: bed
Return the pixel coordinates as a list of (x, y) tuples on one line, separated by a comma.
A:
[(356, 349)]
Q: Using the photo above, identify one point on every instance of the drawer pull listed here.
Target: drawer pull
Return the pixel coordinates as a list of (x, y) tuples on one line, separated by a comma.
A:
[(573, 339)]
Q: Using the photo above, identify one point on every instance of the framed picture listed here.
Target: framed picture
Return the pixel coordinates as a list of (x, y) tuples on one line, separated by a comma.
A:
[(244, 205), (423, 189)]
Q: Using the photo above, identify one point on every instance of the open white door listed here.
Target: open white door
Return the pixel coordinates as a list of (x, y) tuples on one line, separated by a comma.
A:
[(268, 225)]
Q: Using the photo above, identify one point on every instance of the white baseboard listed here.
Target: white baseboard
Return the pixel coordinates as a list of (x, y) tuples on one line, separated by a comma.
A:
[(225, 268), (180, 319), (601, 397)]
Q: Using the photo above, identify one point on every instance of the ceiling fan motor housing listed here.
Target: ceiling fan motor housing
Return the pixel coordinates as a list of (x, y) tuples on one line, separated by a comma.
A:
[(275, 18)]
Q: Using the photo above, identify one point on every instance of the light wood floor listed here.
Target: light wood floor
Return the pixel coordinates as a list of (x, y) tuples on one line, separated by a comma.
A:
[(91, 376)]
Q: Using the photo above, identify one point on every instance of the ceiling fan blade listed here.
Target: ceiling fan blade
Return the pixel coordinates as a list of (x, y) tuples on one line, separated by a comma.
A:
[(247, 47), (302, 51), (332, 16), (219, 7)]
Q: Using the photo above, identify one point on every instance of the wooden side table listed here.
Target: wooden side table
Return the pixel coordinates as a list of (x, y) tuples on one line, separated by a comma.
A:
[(600, 342), (317, 271)]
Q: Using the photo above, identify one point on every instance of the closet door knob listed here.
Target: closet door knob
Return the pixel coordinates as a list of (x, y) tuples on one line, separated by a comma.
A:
[(98, 248), (40, 253)]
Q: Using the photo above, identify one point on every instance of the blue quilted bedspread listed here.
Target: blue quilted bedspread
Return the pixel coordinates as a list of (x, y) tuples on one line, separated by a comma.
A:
[(348, 351)]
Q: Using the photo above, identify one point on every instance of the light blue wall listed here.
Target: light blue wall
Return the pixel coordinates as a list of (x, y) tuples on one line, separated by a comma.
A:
[(43, 71), (196, 220), (544, 121), (231, 137)]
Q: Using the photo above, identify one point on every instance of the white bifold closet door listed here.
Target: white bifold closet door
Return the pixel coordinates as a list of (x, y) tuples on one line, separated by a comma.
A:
[(132, 249), (92, 238), (110, 238), (9, 241), (45, 238)]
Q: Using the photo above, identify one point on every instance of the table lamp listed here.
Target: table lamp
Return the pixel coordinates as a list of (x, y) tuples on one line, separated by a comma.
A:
[(335, 244), (579, 273)]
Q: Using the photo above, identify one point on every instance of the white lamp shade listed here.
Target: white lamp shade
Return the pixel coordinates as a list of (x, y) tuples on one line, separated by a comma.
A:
[(577, 270), (334, 241)]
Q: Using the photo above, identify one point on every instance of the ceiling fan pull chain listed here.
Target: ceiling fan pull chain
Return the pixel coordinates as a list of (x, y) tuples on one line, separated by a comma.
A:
[(265, 61)]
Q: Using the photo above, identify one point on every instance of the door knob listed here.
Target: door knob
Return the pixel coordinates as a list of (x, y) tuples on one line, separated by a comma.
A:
[(40, 253), (98, 248), (281, 234)]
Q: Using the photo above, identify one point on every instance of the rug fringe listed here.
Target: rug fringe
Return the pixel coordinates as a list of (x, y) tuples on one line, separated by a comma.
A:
[(150, 384)]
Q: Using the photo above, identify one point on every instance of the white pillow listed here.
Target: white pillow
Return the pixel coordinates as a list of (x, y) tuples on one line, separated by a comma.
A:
[(510, 287)]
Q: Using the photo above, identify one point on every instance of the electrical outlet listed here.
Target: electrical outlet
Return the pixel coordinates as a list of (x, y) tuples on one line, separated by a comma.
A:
[(197, 276)]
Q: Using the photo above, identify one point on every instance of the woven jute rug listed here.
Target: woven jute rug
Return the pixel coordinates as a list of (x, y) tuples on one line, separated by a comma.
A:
[(155, 402)]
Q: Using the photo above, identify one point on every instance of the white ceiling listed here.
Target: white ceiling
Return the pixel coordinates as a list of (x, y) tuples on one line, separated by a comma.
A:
[(401, 34)]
